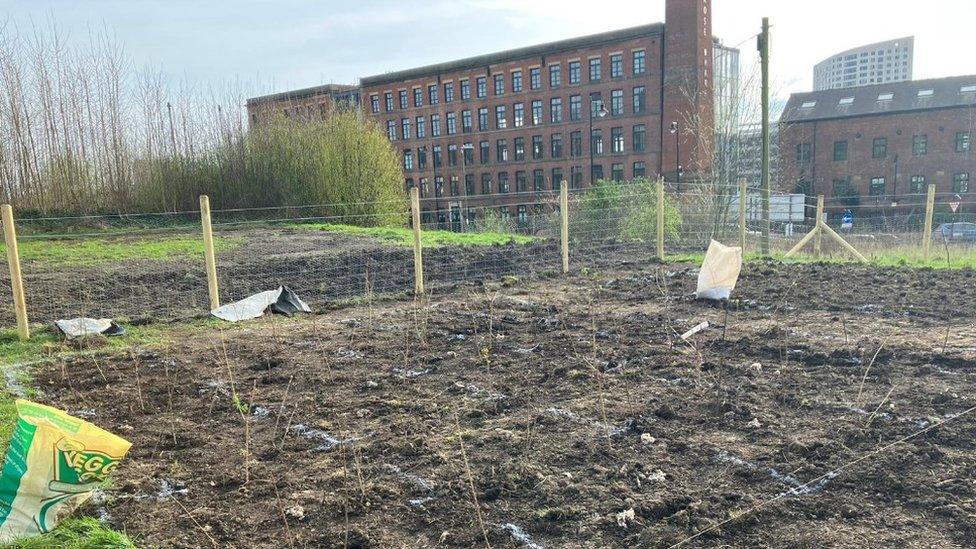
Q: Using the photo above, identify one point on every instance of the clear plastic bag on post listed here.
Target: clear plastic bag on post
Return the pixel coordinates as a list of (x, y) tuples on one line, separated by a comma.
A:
[(719, 272)]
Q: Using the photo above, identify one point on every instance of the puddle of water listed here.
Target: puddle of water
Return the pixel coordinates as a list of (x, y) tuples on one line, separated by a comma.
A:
[(519, 535), (328, 441), (419, 502), (411, 374), (166, 490), (12, 375), (797, 487), (416, 480), (566, 414), (476, 391)]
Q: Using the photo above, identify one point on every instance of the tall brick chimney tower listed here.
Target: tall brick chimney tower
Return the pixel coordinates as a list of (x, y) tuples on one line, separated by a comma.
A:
[(688, 98)]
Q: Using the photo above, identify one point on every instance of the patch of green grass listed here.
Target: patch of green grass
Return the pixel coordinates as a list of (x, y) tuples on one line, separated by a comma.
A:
[(684, 257), (76, 533), (959, 259), (98, 250), (698, 257), (403, 236), (45, 343), (8, 418)]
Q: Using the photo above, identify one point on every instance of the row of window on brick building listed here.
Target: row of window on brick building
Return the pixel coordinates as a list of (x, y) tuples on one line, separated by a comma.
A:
[(522, 216), (515, 81), (492, 183), (879, 151), (416, 127), (521, 150)]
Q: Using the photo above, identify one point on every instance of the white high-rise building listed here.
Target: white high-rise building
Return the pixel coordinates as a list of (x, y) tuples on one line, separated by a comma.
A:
[(725, 85), (879, 63)]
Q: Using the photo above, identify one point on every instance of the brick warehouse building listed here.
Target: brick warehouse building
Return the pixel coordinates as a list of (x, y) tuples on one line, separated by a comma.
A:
[(884, 143), (490, 130), (304, 104)]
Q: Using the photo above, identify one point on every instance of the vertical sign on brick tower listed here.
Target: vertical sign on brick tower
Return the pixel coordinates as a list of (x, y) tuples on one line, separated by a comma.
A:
[(687, 93)]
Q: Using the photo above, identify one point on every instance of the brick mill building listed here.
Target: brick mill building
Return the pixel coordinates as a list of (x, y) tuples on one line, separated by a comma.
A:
[(304, 104), (879, 145), (493, 130)]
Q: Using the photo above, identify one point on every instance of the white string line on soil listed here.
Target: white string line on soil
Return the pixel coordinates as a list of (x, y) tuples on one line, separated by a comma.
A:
[(829, 474)]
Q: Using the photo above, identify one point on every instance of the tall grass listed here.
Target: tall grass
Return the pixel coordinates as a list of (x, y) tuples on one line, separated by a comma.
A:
[(83, 131), (76, 533)]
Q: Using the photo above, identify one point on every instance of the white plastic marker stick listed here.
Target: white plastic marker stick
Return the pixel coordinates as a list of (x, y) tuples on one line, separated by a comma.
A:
[(694, 330)]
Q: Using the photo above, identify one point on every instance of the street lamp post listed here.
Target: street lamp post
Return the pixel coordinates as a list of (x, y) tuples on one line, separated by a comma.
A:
[(440, 217), (601, 112), (677, 155), (894, 185), (437, 191), (464, 176)]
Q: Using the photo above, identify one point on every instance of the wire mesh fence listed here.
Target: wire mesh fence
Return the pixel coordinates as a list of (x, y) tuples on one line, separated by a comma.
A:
[(324, 253), (516, 236), (137, 267), (615, 224), (150, 267), (882, 227)]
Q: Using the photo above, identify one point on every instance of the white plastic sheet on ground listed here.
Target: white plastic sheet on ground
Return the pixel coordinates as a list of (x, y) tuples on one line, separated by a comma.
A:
[(84, 327), (280, 301), (719, 271)]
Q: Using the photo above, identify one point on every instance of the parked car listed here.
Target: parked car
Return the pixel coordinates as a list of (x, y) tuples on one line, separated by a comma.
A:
[(956, 232)]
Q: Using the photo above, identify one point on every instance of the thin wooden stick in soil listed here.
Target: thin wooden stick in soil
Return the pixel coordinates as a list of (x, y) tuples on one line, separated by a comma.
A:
[(876, 410), (467, 470), (284, 517), (281, 412), (169, 402), (195, 522), (142, 403), (945, 304), (247, 434), (860, 390)]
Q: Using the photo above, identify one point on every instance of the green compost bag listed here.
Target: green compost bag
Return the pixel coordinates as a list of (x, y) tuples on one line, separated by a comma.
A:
[(53, 463)]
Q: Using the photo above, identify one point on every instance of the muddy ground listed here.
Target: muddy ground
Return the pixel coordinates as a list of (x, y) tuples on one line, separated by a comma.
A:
[(325, 268), (559, 412), (329, 269)]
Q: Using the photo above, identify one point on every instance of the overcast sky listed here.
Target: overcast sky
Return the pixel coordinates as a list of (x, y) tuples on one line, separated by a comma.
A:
[(276, 45)]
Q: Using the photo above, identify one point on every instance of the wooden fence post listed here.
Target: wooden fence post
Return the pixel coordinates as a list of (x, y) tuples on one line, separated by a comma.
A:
[(743, 196), (819, 227), (803, 241), (208, 252), (564, 223), (819, 240), (927, 231), (16, 282), (840, 240), (660, 218), (418, 254)]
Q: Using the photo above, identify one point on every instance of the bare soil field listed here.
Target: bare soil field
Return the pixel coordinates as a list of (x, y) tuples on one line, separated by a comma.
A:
[(558, 412), (325, 268)]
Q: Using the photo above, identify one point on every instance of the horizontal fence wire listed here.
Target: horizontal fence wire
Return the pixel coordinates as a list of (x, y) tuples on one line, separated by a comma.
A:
[(134, 268), (150, 267), (321, 258)]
